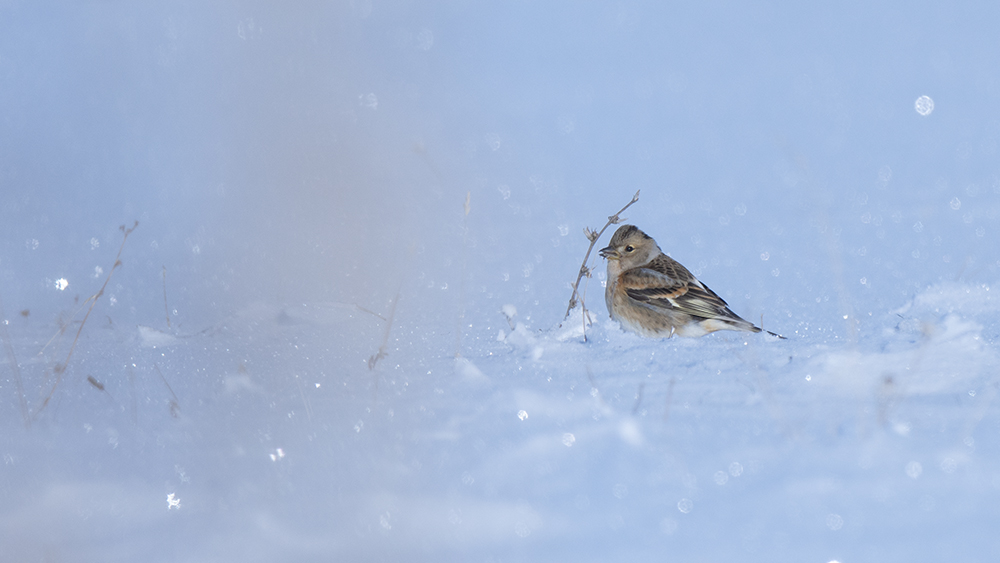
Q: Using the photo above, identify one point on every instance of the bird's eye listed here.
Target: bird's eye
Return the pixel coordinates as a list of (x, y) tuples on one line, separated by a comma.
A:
[(629, 248)]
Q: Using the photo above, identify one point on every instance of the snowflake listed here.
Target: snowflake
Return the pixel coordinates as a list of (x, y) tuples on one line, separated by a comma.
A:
[(173, 502)]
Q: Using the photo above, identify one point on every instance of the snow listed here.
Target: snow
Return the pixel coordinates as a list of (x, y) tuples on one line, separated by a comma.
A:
[(338, 331)]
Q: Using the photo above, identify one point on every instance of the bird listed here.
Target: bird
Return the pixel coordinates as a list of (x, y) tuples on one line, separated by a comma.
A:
[(653, 295)]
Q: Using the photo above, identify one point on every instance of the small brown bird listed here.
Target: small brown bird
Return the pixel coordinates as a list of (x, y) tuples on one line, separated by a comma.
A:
[(653, 295)]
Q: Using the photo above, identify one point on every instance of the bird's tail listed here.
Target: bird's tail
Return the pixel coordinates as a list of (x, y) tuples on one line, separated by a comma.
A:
[(762, 329)]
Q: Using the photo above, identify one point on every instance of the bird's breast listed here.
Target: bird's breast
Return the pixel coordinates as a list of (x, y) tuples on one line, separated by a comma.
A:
[(614, 271)]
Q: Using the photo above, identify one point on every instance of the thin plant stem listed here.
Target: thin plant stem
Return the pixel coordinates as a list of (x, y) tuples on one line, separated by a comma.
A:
[(594, 237), (59, 369)]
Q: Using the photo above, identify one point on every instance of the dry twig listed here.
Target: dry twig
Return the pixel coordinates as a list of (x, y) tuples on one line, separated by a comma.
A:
[(593, 237), (374, 358), (59, 369), (370, 312), (175, 403)]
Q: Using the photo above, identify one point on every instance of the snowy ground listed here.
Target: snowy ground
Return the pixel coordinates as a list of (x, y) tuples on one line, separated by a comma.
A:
[(536, 446), (297, 172)]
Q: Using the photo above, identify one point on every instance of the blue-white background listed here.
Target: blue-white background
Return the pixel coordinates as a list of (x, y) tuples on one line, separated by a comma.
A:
[(299, 168)]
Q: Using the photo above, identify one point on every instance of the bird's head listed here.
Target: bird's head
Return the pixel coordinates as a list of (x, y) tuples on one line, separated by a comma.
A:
[(631, 247)]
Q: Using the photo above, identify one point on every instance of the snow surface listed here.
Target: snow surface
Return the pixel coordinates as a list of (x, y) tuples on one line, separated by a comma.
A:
[(337, 332)]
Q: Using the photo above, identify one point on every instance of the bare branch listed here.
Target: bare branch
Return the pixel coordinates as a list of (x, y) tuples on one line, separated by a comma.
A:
[(59, 369), (175, 403), (594, 237), (370, 312), (382, 352)]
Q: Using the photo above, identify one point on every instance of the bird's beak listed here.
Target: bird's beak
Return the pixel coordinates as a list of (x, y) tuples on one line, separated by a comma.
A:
[(609, 253)]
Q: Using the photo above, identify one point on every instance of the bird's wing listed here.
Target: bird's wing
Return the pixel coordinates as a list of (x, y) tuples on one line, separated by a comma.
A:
[(687, 296), (644, 284)]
